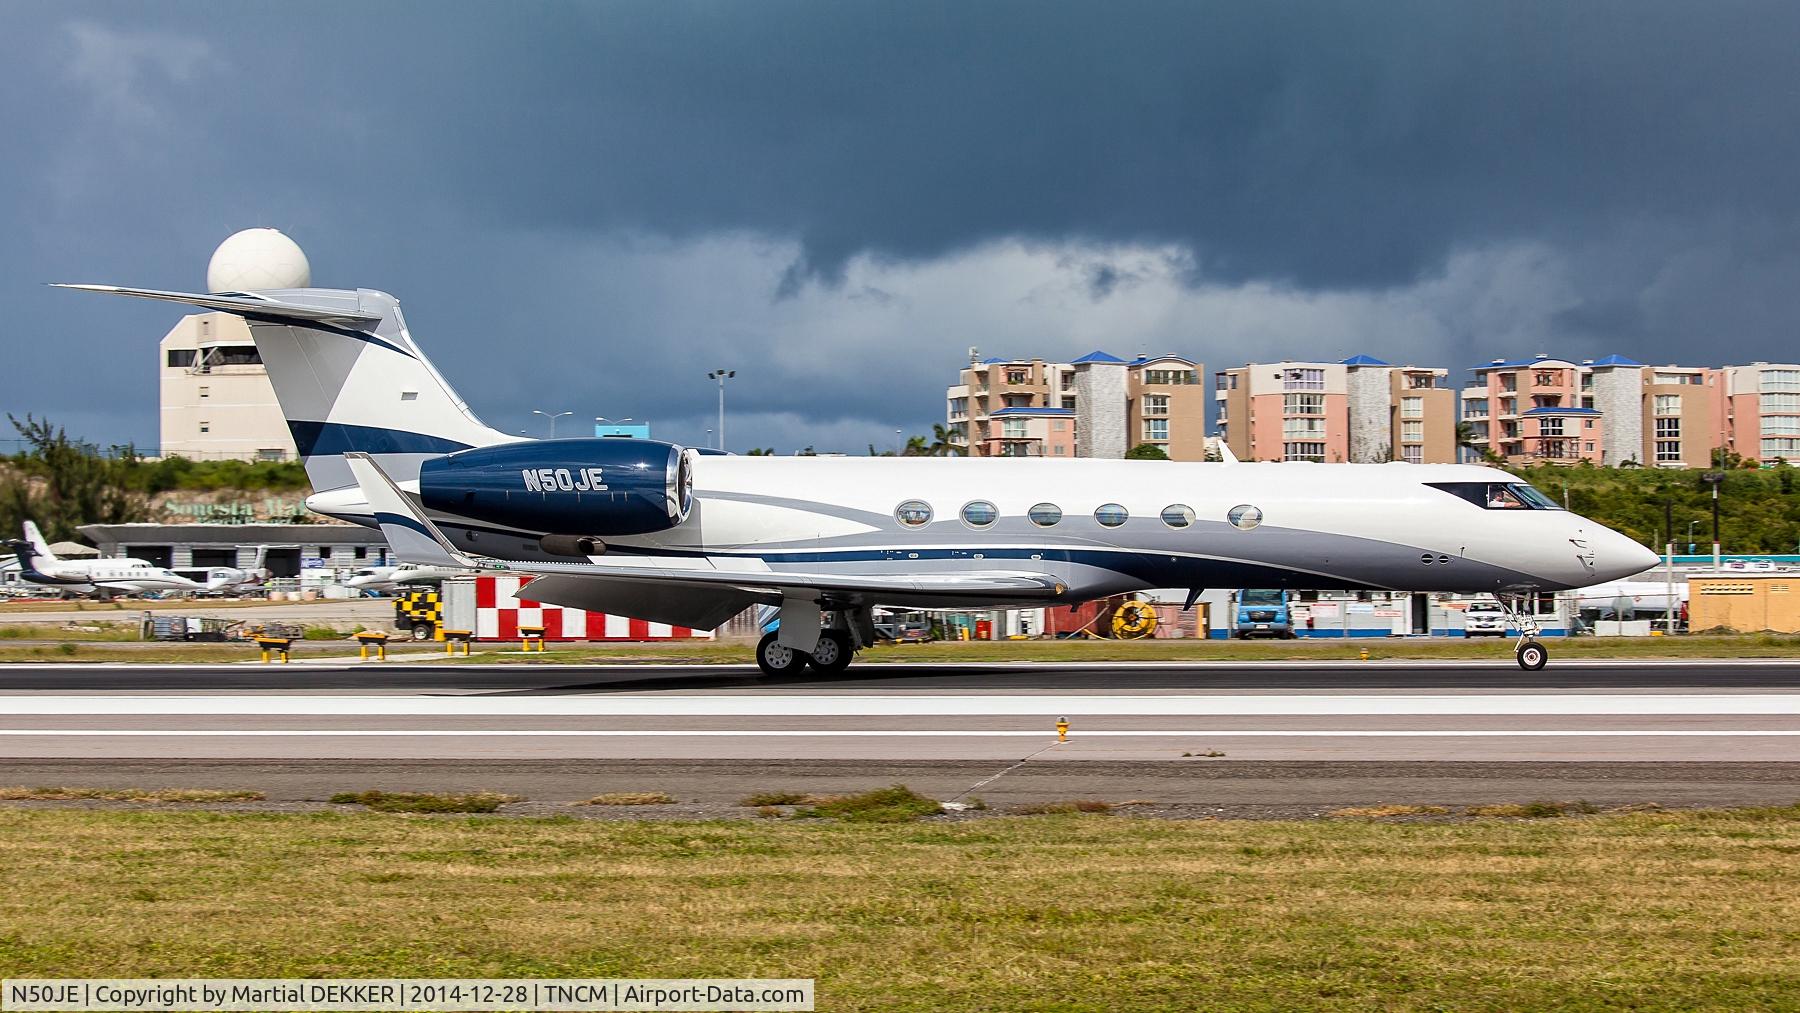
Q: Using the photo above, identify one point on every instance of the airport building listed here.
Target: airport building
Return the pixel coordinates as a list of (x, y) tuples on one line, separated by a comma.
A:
[(216, 399), (291, 548), (1096, 406), (1358, 410)]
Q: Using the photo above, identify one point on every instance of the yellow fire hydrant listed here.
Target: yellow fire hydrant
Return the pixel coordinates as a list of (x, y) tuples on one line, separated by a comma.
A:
[(1062, 729), (1363, 654)]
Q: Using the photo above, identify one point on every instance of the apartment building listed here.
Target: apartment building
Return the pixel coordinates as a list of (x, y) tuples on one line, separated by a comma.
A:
[(216, 401), (1762, 411), (1611, 411), (1360, 409), (1099, 405)]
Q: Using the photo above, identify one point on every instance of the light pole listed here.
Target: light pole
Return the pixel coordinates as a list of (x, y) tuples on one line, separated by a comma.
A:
[(721, 375), (552, 419), (1715, 479)]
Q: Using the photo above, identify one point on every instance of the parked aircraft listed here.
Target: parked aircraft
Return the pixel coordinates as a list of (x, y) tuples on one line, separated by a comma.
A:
[(228, 579), (653, 530), (391, 578), (38, 565)]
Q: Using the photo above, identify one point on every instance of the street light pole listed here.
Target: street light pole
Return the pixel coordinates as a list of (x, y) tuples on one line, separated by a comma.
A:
[(552, 419), (1669, 568), (721, 375), (1715, 479)]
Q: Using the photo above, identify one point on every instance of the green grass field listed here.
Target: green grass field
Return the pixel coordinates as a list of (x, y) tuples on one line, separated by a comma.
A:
[(1652, 911)]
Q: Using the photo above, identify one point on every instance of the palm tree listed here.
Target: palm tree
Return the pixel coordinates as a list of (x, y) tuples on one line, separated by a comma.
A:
[(943, 442), (915, 447)]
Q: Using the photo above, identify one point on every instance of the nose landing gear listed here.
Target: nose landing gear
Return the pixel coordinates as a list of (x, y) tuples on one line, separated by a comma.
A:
[(1531, 655)]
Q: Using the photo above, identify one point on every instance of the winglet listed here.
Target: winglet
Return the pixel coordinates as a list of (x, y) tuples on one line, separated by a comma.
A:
[(409, 533)]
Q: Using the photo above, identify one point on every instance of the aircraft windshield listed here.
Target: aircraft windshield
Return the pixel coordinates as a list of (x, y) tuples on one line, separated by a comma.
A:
[(1498, 495)]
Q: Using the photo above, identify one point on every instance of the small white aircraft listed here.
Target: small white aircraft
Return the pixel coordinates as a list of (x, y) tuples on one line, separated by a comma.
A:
[(228, 579), (656, 531), (38, 565), (392, 578)]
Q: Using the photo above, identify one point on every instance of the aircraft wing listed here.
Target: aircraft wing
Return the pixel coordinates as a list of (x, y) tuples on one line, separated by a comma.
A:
[(713, 585), (247, 303)]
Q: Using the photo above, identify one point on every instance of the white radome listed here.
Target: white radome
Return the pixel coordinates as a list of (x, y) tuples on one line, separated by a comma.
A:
[(257, 259)]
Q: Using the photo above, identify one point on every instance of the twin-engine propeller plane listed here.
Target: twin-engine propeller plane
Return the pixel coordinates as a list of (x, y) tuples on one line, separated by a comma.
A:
[(652, 530)]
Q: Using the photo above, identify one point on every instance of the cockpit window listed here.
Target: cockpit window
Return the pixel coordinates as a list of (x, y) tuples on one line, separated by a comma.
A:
[(1498, 495)]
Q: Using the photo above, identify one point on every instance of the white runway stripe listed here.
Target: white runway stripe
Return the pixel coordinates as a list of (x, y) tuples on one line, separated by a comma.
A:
[(862, 705), (1209, 733)]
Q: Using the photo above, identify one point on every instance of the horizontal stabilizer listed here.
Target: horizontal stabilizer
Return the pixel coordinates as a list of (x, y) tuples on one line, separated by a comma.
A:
[(247, 304)]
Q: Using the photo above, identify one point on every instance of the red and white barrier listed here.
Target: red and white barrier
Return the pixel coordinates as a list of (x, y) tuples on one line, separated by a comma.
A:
[(502, 606)]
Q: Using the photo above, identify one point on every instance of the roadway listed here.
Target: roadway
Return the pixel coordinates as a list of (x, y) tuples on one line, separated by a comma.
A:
[(1225, 737)]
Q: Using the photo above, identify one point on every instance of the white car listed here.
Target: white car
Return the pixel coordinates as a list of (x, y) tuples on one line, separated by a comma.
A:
[(1485, 619)]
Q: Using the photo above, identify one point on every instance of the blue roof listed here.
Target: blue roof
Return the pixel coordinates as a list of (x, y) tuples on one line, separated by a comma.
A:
[(1516, 363), (1561, 411), (1033, 411), (1098, 356), (1363, 360), (990, 362), (1616, 360)]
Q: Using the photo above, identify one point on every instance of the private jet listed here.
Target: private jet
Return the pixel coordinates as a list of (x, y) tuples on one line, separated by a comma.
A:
[(38, 565), (669, 534)]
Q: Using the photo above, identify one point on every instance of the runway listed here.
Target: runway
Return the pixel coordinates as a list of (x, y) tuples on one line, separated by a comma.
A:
[(1263, 734)]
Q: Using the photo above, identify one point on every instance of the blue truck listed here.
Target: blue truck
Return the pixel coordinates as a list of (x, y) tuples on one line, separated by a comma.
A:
[(1262, 613)]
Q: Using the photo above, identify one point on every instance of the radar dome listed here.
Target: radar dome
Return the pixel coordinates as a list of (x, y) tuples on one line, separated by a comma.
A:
[(257, 259)]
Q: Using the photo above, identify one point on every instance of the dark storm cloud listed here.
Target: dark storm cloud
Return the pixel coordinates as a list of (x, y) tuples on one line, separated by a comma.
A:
[(1647, 148)]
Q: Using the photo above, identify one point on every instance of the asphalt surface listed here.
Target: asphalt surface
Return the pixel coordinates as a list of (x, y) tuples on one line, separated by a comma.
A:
[(1238, 738)]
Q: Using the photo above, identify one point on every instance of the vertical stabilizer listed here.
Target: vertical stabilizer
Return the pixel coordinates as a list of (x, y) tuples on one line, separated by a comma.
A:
[(35, 539)]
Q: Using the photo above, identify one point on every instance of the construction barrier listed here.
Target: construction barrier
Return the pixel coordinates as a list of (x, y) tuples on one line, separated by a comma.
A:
[(502, 606)]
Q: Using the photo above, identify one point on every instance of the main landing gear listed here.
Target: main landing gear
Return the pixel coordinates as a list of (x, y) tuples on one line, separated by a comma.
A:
[(1531, 654), (828, 642)]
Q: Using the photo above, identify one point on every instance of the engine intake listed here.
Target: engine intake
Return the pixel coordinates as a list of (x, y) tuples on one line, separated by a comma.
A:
[(586, 488)]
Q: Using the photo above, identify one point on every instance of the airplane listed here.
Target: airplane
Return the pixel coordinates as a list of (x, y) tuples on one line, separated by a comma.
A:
[(660, 532), (391, 578), (38, 565), (227, 579)]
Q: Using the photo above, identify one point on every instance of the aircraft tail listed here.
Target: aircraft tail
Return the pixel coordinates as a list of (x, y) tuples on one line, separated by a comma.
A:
[(35, 539), (349, 378)]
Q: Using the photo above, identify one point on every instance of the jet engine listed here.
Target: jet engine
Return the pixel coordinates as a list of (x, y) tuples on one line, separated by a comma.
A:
[(584, 489)]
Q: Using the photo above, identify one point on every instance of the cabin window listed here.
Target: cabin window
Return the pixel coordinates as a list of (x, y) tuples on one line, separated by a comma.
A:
[(1244, 516), (979, 513), (913, 513), (1111, 515), (1178, 515), (1045, 515)]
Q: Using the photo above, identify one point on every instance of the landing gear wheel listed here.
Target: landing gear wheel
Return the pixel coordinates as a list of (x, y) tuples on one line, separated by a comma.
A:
[(1532, 656), (775, 659), (833, 653)]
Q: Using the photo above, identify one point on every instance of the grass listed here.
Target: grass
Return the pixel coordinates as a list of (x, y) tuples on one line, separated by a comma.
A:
[(1377, 812), (897, 804), (45, 794), (630, 798), (424, 802), (1655, 911), (1533, 810), (768, 798), (1086, 805)]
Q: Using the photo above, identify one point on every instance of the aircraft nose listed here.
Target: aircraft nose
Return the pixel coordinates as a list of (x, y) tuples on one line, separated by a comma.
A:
[(1616, 556)]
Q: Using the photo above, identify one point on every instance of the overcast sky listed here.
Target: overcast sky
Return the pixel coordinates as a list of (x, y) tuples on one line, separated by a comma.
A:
[(585, 207)]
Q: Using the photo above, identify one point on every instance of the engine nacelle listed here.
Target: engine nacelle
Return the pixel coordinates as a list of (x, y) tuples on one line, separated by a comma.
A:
[(600, 487)]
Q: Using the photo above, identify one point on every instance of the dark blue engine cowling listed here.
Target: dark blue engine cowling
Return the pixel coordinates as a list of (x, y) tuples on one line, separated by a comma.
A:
[(604, 487)]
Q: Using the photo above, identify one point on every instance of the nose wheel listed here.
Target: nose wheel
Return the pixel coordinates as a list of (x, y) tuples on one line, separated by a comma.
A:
[(1531, 655)]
